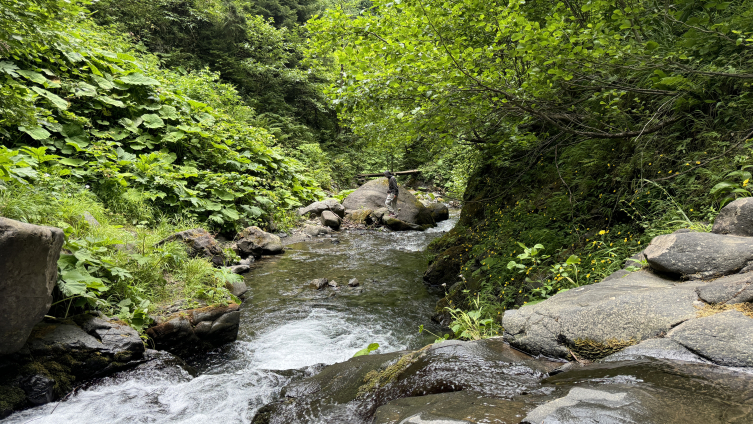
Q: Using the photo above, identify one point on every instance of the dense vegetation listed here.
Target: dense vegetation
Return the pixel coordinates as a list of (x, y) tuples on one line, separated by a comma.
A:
[(586, 127)]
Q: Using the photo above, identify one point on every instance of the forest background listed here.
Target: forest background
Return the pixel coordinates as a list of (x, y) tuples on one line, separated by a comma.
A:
[(575, 131)]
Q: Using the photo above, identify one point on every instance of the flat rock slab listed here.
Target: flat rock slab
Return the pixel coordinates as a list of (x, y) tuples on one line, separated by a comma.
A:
[(581, 405), (725, 338), (450, 408), (730, 289), (373, 194), (656, 348), (627, 307), (736, 218), (699, 255), (396, 224)]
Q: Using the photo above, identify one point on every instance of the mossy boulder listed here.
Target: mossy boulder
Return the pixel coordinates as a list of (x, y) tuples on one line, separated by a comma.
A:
[(373, 194)]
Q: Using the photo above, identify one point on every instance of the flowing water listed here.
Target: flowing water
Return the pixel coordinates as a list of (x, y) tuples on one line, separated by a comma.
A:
[(285, 325)]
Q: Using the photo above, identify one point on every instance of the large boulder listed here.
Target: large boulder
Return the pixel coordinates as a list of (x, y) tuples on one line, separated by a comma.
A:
[(736, 218), (255, 242), (725, 338), (194, 331), (373, 194), (329, 219), (28, 272), (597, 320), (439, 211), (200, 244), (315, 209), (351, 391), (699, 255)]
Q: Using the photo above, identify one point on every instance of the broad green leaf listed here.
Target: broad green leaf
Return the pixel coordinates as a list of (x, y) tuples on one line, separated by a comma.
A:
[(72, 161), (138, 79), (33, 76), (57, 101), (152, 121), (37, 133), (367, 350)]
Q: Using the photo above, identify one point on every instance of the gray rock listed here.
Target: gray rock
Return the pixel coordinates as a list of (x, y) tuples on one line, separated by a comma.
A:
[(332, 283), (351, 391), (439, 211), (316, 230), (329, 219), (200, 244), (318, 283), (90, 219), (195, 331), (373, 194), (400, 225), (581, 405), (315, 209), (252, 241), (725, 338), (699, 255), (450, 408), (238, 288), (736, 218), (239, 269), (624, 307), (28, 274), (731, 289), (362, 216), (39, 389), (378, 214), (353, 282), (655, 348), (247, 261)]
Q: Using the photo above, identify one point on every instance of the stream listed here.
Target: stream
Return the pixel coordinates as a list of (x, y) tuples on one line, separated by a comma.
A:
[(285, 325), (288, 330)]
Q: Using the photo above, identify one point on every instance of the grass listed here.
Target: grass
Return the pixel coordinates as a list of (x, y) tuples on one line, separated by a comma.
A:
[(713, 309)]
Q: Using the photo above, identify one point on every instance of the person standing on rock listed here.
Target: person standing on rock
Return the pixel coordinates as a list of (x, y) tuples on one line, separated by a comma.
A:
[(392, 193)]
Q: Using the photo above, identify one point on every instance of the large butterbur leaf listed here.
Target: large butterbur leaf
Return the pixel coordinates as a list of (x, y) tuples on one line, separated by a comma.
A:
[(152, 121), (138, 79)]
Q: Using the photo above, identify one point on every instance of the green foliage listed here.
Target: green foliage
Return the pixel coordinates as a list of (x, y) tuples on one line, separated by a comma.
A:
[(473, 324), (116, 120), (367, 350), (734, 186)]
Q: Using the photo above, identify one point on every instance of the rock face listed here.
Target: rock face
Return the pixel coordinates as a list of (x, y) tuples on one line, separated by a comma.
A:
[(351, 392), (373, 194), (439, 211), (200, 244), (255, 242), (60, 354), (362, 216), (315, 209), (28, 273), (329, 219), (598, 319), (736, 218), (699, 255), (725, 338), (195, 331)]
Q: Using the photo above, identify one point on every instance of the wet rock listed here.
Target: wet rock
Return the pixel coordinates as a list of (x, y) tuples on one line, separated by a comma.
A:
[(730, 289), (699, 255), (237, 288), (193, 331), (351, 392), (450, 408), (318, 283), (200, 244), (332, 283), (247, 261), (252, 241), (439, 211), (725, 338), (239, 269), (353, 282), (736, 218), (599, 319), (316, 230), (396, 224), (329, 219), (655, 348), (282, 235), (379, 213), (39, 389), (315, 209), (28, 274), (373, 194), (362, 216), (589, 405)]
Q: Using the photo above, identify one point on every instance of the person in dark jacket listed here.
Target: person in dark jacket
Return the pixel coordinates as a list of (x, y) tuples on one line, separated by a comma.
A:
[(392, 193)]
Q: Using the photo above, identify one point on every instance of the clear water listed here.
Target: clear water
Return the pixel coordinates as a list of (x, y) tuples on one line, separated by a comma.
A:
[(285, 325)]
